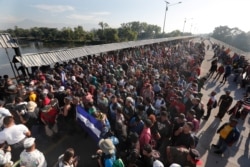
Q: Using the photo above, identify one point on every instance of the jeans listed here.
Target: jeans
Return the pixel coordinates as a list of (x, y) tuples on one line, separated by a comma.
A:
[(222, 145)]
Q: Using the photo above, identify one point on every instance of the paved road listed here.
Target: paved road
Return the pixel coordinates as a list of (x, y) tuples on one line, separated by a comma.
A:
[(238, 155)]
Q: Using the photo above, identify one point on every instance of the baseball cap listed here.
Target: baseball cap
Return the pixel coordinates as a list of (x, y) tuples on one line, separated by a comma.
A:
[(195, 155)]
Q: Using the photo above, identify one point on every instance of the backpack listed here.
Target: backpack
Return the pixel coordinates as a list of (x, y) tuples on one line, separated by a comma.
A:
[(118, 163), (215, 104)]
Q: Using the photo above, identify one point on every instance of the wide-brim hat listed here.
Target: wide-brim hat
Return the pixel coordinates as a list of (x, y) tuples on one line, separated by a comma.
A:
[(107, 146), (31, 106)]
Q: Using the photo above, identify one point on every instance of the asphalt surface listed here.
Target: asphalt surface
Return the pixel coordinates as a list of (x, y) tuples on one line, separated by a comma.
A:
[(237, 155), (53, 147)]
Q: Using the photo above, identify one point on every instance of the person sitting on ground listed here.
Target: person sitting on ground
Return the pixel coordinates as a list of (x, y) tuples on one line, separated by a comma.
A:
[(31, 156)]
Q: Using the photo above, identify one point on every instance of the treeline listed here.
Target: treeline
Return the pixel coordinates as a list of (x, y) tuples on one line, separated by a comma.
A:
[(233, 36), (126, 32)]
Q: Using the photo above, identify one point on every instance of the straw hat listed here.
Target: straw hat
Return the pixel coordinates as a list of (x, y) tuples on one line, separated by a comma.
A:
[(107, 146), (31, 106)]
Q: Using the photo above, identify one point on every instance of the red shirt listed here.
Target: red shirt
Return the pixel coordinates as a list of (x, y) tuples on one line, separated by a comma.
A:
[(46, 101), (50, 116), (145, 137), (180, 107)]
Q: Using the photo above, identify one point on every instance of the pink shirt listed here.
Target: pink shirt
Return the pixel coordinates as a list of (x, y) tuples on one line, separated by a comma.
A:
[(145, 137)]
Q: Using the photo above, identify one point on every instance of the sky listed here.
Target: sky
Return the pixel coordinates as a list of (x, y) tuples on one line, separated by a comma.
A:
[(201, 16)]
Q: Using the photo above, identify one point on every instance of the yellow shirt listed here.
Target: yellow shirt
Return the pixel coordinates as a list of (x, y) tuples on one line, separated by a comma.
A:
[(225, 131), (32, 97)]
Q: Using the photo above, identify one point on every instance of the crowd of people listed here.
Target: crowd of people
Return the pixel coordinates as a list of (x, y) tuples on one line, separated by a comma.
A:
[(147, 98)]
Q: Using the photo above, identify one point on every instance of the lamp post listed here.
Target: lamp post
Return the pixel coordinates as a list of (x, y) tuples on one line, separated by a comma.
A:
[(191, 28), (167, 5), (185, 24)]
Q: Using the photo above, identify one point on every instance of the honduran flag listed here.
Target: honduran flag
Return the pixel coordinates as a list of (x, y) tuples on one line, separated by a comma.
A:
[(89, 123)]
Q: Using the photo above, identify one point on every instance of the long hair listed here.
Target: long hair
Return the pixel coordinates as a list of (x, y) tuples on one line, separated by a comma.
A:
[(69, 153)]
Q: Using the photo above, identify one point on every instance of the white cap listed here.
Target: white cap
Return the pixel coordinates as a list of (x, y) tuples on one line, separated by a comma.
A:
[(175, 165), (45, 91), (28, 142), (158, 163), (61, 89)]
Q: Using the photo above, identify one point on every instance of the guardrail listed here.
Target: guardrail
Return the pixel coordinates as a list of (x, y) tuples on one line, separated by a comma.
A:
[(233, 49)]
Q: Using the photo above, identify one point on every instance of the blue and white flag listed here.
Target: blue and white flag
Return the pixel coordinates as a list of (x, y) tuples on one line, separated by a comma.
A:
[(89, 123)]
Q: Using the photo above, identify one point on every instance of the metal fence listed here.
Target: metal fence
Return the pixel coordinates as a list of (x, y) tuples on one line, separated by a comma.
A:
[(233, 49)]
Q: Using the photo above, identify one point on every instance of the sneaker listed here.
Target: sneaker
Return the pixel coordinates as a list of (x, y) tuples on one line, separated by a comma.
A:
[(215, 146)]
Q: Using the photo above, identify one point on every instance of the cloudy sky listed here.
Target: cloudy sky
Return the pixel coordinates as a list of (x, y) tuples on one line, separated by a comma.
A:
[(202, 16)]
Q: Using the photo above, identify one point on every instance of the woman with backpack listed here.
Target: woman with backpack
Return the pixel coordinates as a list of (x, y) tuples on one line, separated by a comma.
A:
[(212, 103)]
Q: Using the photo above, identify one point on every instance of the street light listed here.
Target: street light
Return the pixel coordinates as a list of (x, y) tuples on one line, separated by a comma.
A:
[(167, 5), (185, 23)]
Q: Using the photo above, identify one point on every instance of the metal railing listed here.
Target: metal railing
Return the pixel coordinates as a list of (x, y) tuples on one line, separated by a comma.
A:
[(233, 49)]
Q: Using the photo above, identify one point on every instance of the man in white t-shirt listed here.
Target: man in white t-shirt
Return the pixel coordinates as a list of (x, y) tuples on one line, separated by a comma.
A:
[(5, 155), (31, 157), (3, 112), (14, 134)]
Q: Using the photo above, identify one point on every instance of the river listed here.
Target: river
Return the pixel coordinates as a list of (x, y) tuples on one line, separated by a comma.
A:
[(28, 47)]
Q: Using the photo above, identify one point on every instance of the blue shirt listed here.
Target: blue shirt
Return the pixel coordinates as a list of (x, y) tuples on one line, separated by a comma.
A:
[(108, 162)]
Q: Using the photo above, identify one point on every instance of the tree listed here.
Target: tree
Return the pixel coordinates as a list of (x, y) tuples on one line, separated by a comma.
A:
[(240, 41), (126, 34), (103, 27), (67, 34), (233, 36), (174, 33), (79, 33), (111, 35), (36, 33)]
